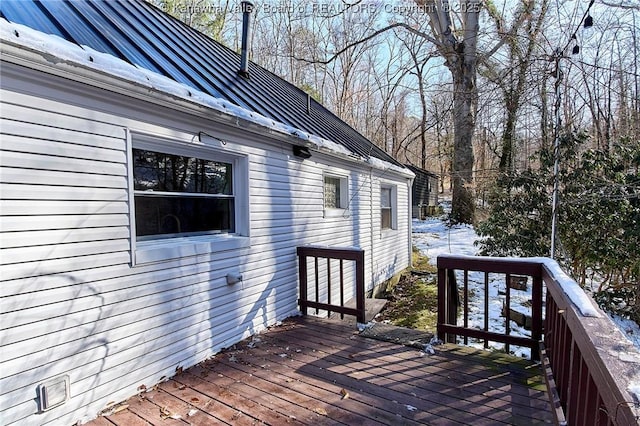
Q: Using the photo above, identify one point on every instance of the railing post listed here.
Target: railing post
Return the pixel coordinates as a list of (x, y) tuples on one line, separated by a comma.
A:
[(453, 302), (302, 266), (448, 302), (536, 317), (360, 317), (442, 306)]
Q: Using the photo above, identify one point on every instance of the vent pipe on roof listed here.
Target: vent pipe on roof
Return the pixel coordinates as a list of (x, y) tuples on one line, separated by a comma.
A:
[(247, 8)]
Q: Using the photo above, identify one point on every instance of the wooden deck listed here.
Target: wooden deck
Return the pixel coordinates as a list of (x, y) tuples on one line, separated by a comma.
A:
[(312, 371)]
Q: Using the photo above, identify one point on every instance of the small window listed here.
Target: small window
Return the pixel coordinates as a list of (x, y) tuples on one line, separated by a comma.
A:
[(387, 207), (335, 194), (177, 196)]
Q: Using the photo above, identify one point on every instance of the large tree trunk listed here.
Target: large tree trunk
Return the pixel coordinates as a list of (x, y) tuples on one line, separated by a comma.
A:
[(464, 122), (459, 49)]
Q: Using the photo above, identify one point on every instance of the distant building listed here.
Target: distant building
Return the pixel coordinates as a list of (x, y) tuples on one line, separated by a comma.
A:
[(424, 194)]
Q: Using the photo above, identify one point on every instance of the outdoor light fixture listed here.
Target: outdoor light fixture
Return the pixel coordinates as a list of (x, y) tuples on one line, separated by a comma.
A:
[(301, 151), (234, 278)]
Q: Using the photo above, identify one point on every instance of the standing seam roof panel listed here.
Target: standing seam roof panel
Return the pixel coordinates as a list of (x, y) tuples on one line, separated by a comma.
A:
[(99, 26), (227, 66), (164, 51), (37, 18), (162, 36), (75, 26)]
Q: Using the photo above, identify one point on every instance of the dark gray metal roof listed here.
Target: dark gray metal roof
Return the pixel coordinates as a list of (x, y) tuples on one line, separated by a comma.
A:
[(417, 170), (141, 34)]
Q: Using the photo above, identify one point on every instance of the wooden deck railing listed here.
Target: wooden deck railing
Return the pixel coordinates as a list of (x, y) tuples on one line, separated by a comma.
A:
[(590, 362), (325, 287), (448, 293)]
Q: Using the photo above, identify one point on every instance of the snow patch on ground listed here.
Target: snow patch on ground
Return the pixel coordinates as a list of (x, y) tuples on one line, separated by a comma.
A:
[(630, 329)]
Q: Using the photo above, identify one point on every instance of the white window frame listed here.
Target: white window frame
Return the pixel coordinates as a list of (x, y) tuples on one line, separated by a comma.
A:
[(393, 207), (162, 249), (344, 195)]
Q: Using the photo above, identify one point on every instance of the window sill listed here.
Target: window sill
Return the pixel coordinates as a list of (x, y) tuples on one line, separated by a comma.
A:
[(344, 213), (175, 248), (388, 232)]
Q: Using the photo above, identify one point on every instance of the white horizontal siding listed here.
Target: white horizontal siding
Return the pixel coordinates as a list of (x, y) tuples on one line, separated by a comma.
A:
[(168, 284), (37, 161), (47, 207), (61, 250), (27, 114), (70, 301), (63, 236), (110, 142), (22, 144), (46, 222), (68, 266), (66, 179), (63, 193)]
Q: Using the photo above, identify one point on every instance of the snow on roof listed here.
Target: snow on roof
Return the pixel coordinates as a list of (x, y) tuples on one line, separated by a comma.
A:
[(50, 45)]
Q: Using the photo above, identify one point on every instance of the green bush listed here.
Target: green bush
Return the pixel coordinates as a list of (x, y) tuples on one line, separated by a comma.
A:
[(598, 218)]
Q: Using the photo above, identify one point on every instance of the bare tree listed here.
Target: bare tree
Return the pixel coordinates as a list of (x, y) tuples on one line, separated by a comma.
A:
[(514, 77), (455, 35), (207, 17)]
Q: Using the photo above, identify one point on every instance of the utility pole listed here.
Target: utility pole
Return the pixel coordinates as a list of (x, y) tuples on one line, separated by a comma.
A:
[(556, 153)]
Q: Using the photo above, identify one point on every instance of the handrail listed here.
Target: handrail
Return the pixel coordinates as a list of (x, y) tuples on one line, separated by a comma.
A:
[(447, 289), (592, 362), (593, 365), (338, 253)]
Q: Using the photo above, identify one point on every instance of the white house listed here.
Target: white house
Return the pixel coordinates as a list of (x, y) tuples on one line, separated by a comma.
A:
[(153, 199)]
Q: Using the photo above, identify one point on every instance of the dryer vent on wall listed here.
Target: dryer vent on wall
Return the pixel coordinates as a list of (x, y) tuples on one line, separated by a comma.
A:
[(53, 393)]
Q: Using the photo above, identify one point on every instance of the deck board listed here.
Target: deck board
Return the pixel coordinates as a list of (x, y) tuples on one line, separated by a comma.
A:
[(318, 371)]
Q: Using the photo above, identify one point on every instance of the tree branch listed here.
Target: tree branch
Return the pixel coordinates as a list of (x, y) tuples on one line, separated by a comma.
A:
[(367, 38), (522, 16), (620, 5)]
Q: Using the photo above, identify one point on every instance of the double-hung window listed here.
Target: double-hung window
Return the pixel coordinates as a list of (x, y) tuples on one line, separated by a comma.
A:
[(187, 200), (387, 207), (177, 195)]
